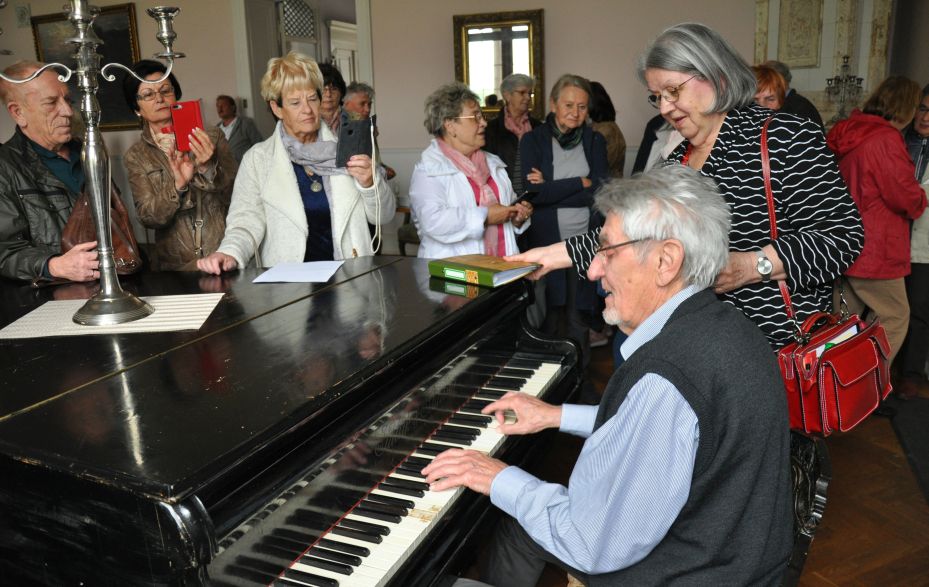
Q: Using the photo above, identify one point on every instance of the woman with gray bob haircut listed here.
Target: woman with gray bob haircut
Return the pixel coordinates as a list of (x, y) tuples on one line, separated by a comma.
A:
[(461, 197), (673, 202), (705, 90)]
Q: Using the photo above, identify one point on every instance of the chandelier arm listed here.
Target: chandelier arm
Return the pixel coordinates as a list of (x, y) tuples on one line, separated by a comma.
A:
[(112, 77), (64, 77)]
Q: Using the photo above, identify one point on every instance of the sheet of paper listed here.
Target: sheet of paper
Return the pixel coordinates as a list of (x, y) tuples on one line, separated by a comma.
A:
[(180, 312), (312, 272)]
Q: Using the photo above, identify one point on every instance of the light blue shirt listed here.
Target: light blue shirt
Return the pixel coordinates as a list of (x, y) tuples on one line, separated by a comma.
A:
[(630, 481)]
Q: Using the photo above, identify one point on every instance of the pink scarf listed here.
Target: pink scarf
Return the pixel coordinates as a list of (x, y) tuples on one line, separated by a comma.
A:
[(485, 192), (517, 127)]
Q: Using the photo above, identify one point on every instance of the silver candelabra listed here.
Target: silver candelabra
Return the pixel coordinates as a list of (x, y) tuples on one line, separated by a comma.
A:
[(844, 88), (111, 305)]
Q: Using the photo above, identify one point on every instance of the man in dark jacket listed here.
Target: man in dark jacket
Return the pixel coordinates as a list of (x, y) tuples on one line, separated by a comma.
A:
[(40, 178), (684, 477), (794, 103)]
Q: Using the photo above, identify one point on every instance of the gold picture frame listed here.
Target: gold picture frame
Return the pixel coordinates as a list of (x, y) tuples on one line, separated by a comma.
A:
[(116, 27)]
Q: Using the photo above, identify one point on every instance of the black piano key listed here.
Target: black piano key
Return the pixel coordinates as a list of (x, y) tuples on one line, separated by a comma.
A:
[(524, 364), (403, 503), (335, 556), (469, 410), (432, 449), (284, 544), (514, 372), (406, 483), (377, 515), (386, 508), (363, 536), (293, 577), (251, 575), (495, 394), (460, 430), (391, 487), (452, 438), (361, 526), (505, 383), (344, 547), (281, 553), (420, 461), (256, 564), (470, 380), (305, 538), (480, 421), (312, 561), (478, 404), (411, 471)]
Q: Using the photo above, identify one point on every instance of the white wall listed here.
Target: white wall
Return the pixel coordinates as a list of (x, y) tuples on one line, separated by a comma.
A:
[(599, 39)]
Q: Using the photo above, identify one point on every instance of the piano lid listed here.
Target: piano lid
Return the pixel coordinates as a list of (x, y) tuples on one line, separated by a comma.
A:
[(33, 370), (167, 422)]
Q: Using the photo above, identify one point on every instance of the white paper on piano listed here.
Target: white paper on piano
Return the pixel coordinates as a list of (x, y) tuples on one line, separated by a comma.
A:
[(181, 312), (312, 272)]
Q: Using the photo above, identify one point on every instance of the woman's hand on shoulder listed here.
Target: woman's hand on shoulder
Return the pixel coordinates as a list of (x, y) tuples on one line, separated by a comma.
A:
[(535, 176), (217, 263), (359, 167)]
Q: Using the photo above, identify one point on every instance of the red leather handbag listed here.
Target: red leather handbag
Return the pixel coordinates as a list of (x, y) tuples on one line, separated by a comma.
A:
[(836, 371)]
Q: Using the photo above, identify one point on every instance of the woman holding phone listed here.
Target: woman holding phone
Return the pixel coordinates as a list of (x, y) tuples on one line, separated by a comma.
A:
[(182, 195), (291, 202)]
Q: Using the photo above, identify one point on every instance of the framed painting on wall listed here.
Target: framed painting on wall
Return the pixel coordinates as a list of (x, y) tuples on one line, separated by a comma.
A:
[(116, 27), (799, 32)]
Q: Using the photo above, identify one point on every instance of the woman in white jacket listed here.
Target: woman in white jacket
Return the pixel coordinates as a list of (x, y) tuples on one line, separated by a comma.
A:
[(290, 201), (461, 197)]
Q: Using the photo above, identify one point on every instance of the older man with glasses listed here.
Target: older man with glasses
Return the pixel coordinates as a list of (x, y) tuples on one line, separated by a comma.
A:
[(684, 475)]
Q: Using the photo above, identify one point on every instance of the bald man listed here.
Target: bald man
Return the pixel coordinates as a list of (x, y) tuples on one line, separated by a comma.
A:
[(40, 178)]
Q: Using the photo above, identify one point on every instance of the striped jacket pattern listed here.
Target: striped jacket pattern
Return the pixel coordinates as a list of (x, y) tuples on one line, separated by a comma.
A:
[(819, 227)]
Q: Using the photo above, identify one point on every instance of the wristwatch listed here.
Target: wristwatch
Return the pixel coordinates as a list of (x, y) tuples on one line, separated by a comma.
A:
[(764, 266)]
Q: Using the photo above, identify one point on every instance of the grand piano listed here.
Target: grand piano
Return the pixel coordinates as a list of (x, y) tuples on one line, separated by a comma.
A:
[(279, 444)]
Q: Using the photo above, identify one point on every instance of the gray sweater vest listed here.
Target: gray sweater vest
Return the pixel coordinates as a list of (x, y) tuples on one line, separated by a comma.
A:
[(736, 526)]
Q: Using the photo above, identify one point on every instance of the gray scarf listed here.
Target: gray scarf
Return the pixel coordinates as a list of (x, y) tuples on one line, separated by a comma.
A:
[(317, 157)]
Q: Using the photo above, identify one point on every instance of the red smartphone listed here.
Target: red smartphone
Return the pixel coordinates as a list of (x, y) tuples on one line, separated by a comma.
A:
[(186, 116)]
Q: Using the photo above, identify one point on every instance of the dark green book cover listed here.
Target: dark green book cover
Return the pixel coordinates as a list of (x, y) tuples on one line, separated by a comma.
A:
[(483, 270)]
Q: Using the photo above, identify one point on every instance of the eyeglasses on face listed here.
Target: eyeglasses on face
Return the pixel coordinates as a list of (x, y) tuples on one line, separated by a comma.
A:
[(478, 117), (604, 248), (922, 110), (149, 95), (669, 94)]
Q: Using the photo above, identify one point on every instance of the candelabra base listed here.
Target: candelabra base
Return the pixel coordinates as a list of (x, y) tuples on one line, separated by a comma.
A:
[(106, 310)]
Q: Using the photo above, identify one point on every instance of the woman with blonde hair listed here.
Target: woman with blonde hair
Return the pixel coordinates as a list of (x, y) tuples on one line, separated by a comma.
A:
[(290, 202)]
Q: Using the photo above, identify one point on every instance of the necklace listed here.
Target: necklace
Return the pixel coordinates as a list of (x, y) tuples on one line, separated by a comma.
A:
[(317, 185)]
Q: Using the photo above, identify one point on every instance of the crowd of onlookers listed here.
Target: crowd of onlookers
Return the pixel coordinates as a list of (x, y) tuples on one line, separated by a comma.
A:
[(641, 254)]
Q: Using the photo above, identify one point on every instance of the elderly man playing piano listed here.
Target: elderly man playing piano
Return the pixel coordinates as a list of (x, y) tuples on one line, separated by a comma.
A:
[(684, 474)]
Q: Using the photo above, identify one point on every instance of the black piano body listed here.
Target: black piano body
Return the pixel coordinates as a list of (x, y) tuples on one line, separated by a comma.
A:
[(160, 458)]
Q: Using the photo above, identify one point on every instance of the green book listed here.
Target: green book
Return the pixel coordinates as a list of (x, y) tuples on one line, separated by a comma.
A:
[(481, 270)]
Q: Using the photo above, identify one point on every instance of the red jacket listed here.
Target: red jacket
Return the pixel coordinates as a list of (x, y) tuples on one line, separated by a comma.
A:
[(880, 175)]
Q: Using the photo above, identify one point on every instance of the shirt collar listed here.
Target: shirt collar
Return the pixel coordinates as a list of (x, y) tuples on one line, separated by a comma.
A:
[(74, 150), (652, 325)]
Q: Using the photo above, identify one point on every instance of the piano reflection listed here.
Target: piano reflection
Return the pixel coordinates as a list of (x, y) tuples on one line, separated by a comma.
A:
[(279, 444)]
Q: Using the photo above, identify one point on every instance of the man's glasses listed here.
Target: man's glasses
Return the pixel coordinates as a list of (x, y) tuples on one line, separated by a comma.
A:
[(149, 95), (669, 94), (604, 248), (477, 117)]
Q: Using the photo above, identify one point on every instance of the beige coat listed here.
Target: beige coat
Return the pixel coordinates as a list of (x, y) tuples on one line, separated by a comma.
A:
[(173, 215)]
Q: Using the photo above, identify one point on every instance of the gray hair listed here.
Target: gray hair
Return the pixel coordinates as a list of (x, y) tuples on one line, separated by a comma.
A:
[(781, 68), (673, 202), (514, 81), (695, 49), (445, 104), (574, 81), (359, 88)]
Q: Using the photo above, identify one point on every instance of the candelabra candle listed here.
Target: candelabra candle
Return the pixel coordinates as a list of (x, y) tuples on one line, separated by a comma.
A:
[(111, 305), (844, 89)]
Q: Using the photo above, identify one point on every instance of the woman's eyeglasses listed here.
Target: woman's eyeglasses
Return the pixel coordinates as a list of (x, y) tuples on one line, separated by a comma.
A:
[(149, 95), (669, 94), (477, 117)]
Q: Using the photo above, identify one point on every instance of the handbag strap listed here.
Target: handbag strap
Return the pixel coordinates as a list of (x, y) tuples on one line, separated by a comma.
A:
[(769, 196)]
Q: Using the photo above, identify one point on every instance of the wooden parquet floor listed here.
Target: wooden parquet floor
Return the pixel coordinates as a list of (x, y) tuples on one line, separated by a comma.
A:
[(875, 530)]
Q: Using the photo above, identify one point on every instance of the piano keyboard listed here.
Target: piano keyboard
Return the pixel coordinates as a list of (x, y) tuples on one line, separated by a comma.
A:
[(376, 533)]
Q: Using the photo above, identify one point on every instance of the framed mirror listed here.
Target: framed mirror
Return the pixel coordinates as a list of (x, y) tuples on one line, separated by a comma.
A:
[(491, 46)]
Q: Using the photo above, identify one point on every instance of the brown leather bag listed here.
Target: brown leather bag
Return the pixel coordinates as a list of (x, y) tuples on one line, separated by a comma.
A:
[(80, 229)]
